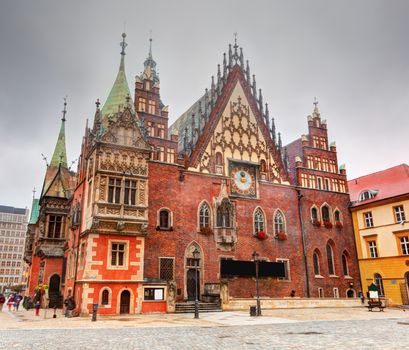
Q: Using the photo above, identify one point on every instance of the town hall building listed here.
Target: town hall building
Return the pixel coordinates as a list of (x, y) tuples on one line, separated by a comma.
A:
[(155, 210)]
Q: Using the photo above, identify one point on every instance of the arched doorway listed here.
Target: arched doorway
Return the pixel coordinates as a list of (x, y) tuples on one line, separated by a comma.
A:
[(191, 282), (350, 293), (125, 302), (405, 289), (193, 258), (54, 292)]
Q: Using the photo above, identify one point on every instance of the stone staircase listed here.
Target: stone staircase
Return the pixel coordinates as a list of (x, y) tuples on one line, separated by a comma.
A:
[(189, 307)]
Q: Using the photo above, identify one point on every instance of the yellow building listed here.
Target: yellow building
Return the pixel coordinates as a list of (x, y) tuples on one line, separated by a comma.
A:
[(380, 212)]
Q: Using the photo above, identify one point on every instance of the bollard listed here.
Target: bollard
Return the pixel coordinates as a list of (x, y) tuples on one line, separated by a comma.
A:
[(94, 312), (253, 310)]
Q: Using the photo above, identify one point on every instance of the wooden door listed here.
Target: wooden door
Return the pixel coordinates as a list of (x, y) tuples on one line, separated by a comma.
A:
[(191, 282), (125, 302)]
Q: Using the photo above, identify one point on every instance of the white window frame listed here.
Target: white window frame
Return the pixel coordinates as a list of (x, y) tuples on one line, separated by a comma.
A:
[(126, 254), (286, 263), (368, 219), (373, 249), (399, 212)]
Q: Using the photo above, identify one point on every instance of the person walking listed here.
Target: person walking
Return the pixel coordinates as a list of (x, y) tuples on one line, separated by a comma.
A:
[(10, 302), (17, 300), (2, 301)]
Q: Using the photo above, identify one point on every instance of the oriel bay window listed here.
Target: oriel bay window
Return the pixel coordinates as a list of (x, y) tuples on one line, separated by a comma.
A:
[(55, 226)]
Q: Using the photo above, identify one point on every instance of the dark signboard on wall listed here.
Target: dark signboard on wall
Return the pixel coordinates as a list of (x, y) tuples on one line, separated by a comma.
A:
[(240, 268)]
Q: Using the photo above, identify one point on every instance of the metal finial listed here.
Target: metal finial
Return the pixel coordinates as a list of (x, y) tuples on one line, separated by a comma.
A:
[(235, 39), (150, 43), (315, 103), (123, 44), (64, 112), (97, 103), (34, 192)]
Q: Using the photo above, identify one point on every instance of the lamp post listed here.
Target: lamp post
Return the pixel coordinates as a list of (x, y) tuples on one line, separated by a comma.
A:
[(196, 256), (256, 262)]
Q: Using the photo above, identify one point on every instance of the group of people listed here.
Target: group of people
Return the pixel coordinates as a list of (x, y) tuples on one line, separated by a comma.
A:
[(13, 301)]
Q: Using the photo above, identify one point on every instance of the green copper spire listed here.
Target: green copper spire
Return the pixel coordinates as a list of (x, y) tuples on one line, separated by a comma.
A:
[(120, 90), (60, 154)]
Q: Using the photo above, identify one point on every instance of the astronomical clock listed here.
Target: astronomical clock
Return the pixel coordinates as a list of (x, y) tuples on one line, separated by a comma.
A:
[(243, 179)]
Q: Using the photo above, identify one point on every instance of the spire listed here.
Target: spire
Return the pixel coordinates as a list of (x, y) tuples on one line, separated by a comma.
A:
[(280, 144), (260, 101), (120, 89), (267, 117), (316, 110), (254, 86), (248, 71), (149, 71), (60, 153), (273, 130)]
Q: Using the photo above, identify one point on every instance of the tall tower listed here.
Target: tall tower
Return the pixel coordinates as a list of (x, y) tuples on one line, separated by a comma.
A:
[(115, 207), (153, 113), (47, 263)]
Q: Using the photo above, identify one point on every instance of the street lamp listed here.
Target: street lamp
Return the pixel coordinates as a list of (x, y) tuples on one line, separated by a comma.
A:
[(196, 256), (255, 256)]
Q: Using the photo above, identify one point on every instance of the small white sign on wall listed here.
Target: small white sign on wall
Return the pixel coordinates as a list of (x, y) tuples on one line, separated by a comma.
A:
[(158, 294), (373, 294)]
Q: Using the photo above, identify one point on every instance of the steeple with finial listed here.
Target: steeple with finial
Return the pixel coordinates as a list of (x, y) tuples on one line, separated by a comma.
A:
[(316, 111), (60, 153), (149, 71), (117, 98)]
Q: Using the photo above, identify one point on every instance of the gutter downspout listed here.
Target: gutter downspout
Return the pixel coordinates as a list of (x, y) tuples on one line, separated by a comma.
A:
[(304, 249)]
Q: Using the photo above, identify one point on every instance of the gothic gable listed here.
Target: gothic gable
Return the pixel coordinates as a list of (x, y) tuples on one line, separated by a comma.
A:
[(236, 132)]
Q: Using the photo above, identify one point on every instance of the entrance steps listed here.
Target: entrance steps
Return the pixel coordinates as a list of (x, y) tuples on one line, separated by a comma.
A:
[(189, 307)]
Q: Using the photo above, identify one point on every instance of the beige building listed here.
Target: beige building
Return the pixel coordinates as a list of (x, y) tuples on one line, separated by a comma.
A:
[(380, 209), (13, 227)]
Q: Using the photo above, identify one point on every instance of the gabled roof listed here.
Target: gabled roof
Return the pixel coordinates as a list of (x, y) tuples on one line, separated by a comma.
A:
[(196, 125), (387, 183)]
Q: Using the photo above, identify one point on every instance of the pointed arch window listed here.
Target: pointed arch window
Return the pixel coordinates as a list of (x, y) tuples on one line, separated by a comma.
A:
[(219, 163), (263, 169), (258, 221), (377, 278), (345, 267), (314, 214), (164, 219), (325, 213), (224, 214), (330, 260), (279, 222), (337, 216), (204, 216), (316, 262)]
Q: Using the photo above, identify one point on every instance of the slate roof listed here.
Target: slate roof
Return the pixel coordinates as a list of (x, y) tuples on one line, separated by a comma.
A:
[(388, 183)]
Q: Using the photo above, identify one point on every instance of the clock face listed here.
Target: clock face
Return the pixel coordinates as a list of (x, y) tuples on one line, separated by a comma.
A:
[(243, 180)]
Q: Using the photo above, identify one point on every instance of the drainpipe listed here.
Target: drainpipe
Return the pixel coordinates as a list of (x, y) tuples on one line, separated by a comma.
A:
[(304, 249)]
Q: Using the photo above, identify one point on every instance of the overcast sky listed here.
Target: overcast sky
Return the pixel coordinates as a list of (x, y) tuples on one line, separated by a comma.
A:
[(352, 55)]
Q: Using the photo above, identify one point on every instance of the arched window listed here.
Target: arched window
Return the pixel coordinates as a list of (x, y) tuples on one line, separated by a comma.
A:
[(204, 216), (263, 166), (314, 214), (219, 158), (219, 163), (316, 261), (105, 297), (330, 260), (377, 278), (325, 213), (224, 214), (258, 221), (337, 216), (164, 219), (279, 223), (345, 268)]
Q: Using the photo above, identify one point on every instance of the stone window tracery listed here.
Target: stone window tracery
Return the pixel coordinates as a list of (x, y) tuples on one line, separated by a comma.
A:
[(224, 214), (204, 216), (279, 222), (258, 221)]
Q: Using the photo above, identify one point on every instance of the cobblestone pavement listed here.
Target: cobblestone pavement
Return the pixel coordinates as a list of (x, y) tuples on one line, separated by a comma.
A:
[(350, 334)]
